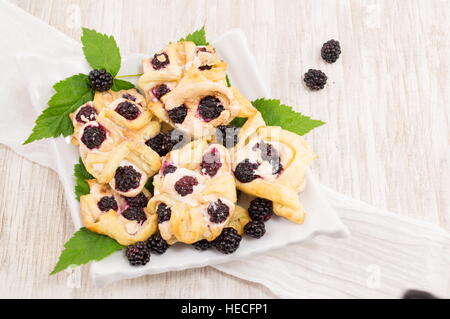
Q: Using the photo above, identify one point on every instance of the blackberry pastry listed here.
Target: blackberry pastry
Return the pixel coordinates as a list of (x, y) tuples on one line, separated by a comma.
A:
[(106, 212)]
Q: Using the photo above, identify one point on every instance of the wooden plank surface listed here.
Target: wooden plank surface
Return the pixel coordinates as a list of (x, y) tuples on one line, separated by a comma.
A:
[(386, 104)]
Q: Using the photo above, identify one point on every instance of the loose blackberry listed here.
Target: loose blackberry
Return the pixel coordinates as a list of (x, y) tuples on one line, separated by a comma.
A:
[(178, 114), (129, 97), (100, 80), (330, 51), (85, 114), (205, 67), (211, 163), (218, 212), (138, 254), (227, 135), (160, 61), (164, 143), (106, 203), (160, 90), (140, 200), (157, 244), (315, 79), (135, 213), (245, 171), (164, 212), (128, 110), (185, 185), (210, 108), (127, 178), (228, 241), (255, 229), (260, 209), (202, 244), (418, 294), (169, 169), (93, 136), (270, 154)]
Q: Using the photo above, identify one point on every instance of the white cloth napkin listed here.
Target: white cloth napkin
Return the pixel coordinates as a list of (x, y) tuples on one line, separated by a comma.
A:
[(385, 255)]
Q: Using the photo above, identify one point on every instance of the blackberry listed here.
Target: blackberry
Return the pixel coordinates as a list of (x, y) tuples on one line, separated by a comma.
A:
[(315, 79), (129, 97), (157, 244), (163, 211), (205, 67), (164, 143), (218, 212), (255, 229), (169, 169), (185, 185), (160, 90), (245, 171), (330, 51), (100, 80), (93, 136), (138, 254), (227, 135), (178, 114), (210, 108), (128, 110), (270, 154), (202, 244), (418, 294), (135, 213), (106, 203), (260, 209), (85, 114), (160, 61), (228, 241), (127, 178), (140, 200), (211, 163)]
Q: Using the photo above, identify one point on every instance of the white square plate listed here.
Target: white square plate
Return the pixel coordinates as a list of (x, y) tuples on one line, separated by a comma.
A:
[(40, 73)]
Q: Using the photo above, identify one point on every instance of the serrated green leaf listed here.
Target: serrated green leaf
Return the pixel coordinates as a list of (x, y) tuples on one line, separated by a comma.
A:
[(54, 120), (101, 51), (81, 175), (238, 121), (277, 114), (198, 37), (121, 85), (83, 247)]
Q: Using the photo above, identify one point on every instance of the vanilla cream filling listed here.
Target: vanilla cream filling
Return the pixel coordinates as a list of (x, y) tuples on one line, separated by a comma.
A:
[(168, 186), (254, 156)]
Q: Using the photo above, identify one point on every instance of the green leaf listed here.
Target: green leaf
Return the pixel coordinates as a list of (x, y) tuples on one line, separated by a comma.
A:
[(228, 80), (81, 175), (101, 51), (276, 114), (121, 85), (238, 121), (83, 247), (149, 185), (198, 37), (54, 120)]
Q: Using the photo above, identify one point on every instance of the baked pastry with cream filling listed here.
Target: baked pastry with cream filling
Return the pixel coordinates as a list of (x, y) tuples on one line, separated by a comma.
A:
[(125, 219), (195, 193), (270, 162)]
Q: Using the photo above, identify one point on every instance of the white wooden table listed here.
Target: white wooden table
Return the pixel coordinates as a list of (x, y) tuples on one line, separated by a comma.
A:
[(386, 104)]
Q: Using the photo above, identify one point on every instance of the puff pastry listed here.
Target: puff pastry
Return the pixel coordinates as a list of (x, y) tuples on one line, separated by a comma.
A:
[(185, 86), (270, 162), (127, 220), (113, 148), (195, 193)]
